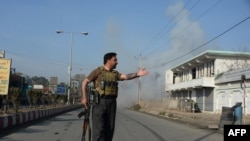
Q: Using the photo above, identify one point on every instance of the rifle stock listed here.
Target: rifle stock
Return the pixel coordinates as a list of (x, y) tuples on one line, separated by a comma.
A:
[(86, 123)]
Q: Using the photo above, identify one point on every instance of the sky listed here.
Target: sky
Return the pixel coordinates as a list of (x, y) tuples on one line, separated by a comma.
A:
[(153, 34)]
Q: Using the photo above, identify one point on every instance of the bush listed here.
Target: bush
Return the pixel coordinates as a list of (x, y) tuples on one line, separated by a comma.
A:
[(137, 107), (170, 115), (162, 113)]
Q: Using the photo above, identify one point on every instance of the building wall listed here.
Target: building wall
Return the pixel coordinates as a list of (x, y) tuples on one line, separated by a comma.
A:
[(230, 89), (199, 98), (227, 92), (193, 94), (210, 68), (209, 97), (224, 64)]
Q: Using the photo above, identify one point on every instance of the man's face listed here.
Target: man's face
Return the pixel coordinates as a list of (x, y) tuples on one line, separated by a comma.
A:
[(113, 62)]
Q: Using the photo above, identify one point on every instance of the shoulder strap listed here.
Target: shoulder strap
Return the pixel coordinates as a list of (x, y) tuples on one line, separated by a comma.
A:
[(100, 69)]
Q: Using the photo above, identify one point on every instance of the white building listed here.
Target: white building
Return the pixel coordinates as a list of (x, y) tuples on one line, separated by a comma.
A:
[(212, 79)]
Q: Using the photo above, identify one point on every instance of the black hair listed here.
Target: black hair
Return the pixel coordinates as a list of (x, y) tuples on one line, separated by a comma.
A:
[(108, 56)]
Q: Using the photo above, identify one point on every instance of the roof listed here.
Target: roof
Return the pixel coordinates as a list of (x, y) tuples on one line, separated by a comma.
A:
[(210, 55)]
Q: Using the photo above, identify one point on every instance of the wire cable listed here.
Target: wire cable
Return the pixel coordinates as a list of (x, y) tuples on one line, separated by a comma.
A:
[(47, 61), (159, 35), (187, 27), (229, 29)]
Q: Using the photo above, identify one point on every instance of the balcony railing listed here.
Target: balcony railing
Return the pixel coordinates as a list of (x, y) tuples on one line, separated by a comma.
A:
[(194, 83)]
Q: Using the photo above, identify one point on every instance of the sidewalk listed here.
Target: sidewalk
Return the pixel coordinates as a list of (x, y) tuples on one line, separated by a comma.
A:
[(12, 119), (202, 120)]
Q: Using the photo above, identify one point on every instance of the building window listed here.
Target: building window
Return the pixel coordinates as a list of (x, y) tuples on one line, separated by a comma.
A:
[(212, 68), (174, 77), (193, 73)]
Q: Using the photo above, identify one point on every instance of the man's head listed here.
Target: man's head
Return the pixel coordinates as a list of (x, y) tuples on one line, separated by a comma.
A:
[(110, 60)]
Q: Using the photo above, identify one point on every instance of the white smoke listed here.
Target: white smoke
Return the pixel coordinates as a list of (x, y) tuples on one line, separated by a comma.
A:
[(185, 35)]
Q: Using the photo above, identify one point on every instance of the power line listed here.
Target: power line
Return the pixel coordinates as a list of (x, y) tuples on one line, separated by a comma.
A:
[(187, 27), (229, 29), (159, 35), (203, 14), (38, 59), (47, 61)]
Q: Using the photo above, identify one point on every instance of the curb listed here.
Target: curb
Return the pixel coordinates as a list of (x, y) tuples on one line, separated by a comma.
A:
[(198, 122), (20, 118)]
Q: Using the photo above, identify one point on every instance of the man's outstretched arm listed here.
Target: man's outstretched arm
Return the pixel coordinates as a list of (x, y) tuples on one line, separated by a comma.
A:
[(139, 73)]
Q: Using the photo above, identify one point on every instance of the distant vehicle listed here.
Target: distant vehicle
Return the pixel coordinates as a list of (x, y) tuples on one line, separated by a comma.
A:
[(187, 105)]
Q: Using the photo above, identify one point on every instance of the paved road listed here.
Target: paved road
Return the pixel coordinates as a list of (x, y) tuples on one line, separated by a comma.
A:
[(130, 125), (136, 126)]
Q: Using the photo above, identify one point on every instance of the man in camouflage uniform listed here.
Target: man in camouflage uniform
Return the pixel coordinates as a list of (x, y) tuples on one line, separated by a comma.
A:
[(105, 80)]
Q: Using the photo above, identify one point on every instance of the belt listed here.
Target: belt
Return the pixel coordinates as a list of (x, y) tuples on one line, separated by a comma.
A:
[(108, 97)]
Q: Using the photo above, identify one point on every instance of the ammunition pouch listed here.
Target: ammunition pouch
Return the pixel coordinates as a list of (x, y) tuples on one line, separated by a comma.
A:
[(93, 97), (104, 84), (111, 83)]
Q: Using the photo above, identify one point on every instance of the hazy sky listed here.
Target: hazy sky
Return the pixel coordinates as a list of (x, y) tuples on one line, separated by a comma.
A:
[(159, 30)]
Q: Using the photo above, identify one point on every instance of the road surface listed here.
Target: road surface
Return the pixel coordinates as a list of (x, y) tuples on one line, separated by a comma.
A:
[(130, 126)]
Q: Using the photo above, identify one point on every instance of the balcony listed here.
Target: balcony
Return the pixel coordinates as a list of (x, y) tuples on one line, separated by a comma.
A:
[(194, 83)]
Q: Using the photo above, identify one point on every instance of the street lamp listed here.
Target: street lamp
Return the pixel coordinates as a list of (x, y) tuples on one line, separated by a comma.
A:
[(70, 57)]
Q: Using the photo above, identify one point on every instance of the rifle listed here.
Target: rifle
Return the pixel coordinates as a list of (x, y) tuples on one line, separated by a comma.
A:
[(86, 124), (93, 97)]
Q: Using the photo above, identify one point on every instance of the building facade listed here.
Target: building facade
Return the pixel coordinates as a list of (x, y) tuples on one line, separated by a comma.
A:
[(212, 79)]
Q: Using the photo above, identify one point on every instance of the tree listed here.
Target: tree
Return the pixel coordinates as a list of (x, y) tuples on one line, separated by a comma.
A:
[(62, 84), (40, 81)]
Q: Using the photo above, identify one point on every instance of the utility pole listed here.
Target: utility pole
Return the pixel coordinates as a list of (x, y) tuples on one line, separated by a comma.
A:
[(139, 82), (243, 86)]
